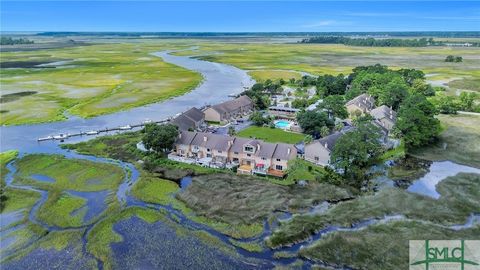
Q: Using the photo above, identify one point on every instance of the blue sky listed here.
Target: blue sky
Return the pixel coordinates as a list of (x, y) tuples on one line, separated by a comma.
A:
[(239, 16)]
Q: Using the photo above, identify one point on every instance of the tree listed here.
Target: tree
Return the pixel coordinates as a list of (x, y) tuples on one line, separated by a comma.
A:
[(452, 58), (308, 139), (324, 131), (312, 121), (335, 106), (467, 101), (420, 87), (416, 122), (159, 138), (231, 131), (411, 75), (394, 93), (446, 104), (300, 103), (258, 119), (355, 151)]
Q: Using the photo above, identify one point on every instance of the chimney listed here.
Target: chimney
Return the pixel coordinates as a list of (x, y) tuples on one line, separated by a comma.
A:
[(288, 151), (326, 145), (230, 143), (204, 138), (180, 135), (258, 147)]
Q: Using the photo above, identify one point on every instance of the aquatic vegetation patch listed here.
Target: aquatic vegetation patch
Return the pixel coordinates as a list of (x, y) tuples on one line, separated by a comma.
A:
[(57, 250), (154, 190), (5, 158), (383, 246), (15, 96), (121, 81), (70, 174), (156, 244), (248, 246), (460, 197), (60, 210)]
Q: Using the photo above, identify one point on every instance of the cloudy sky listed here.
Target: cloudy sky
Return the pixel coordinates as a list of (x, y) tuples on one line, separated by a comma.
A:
[(240, 16)]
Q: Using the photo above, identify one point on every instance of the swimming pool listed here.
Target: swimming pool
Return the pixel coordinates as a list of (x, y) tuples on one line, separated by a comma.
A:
[(283, 124)]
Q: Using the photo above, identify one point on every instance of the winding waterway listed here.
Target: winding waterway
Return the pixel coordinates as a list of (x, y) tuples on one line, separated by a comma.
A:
[(219, 81)]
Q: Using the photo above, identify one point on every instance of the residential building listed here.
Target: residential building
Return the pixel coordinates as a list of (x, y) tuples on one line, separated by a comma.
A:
[(385, 117), (250, 155), (319, 151), (192, 119), (280, 111), (229, 110), (362, 104)]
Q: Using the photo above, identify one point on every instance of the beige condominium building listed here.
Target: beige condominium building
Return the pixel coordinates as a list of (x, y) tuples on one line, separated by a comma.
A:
[(229, 110), (250, 155), (362, 104)]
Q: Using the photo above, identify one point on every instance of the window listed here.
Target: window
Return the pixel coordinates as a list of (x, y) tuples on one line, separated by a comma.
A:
[(208, 149), (236, 153), (248, 149), (264, 158), (279, 167), (316, 158), (248, 155), (278, 159), (209, 155), (235, 159), (219, 152)]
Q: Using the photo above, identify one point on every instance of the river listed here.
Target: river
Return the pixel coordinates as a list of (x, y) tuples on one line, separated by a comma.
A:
[(219, 81)]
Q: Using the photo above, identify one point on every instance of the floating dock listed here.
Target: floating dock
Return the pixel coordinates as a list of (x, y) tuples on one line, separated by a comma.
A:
[(64, 136)]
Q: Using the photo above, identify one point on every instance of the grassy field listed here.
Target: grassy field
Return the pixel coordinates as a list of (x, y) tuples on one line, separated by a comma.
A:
[(88, 81), (5, 158), (459, 141), (273, 135), (334, 59), (69, 174), (261, 75), (460, 196)]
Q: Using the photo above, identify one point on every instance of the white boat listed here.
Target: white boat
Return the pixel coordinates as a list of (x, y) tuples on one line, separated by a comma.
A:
[(61, 136), (45, 138), (232, 95), (91, 132), (127, 127), (147, 121)]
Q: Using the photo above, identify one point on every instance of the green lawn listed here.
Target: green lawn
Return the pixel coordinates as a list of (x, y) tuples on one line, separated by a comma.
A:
[(273, 135)]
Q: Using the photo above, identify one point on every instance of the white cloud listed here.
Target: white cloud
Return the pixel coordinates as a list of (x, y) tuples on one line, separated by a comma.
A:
[(320, 24)]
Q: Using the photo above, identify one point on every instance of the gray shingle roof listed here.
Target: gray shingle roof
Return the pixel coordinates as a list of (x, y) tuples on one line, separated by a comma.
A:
[(330, 140), (185, 137), (363, 101), (238, 144), (384, 112), (195, 114), (183, 122), (285, 151), (232, 105), (266, 150)]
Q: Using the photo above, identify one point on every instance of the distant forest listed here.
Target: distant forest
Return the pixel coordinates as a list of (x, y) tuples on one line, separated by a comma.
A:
[(12, 41), (381, 42)]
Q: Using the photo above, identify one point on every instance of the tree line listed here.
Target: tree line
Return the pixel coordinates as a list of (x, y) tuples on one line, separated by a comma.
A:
[(378, 42), (13, 41)]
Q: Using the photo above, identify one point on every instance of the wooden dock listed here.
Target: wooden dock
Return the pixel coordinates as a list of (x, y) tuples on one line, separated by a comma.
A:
[(64, 136)]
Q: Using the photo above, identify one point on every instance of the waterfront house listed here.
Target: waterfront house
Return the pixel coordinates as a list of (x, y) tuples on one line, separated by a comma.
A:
[(385, 117), (250, 155), (319, 151), (192, 119), (362, 104), (229, 110)]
